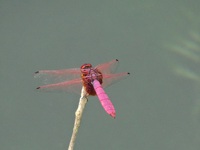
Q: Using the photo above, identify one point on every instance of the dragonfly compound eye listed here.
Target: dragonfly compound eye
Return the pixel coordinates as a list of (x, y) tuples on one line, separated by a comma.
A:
[(86, 66)]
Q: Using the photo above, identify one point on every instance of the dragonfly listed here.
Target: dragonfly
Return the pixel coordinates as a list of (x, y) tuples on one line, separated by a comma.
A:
[(92, 79)]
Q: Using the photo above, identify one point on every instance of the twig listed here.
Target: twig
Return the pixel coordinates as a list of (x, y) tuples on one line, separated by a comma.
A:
[(78, 116)]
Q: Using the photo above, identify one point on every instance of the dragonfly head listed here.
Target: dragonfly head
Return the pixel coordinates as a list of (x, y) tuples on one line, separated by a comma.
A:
[(85, 68)]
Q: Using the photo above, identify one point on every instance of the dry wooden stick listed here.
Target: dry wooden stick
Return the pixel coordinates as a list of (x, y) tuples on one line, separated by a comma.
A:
[(78, 115)]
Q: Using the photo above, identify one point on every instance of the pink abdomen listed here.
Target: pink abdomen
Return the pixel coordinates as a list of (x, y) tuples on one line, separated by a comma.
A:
[(104, 99)]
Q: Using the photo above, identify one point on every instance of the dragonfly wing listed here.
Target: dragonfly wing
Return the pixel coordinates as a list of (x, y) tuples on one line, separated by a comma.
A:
[(67, 86), (109, 67), (55, 76), (104, 99), (109, 79)]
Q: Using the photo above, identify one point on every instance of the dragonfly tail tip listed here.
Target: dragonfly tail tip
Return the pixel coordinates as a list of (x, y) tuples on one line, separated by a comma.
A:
[(38, 87), (112, 115), (36, 72)]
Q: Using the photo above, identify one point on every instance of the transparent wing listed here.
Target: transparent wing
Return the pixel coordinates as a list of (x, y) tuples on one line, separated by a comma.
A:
[(109, 67), (109, 79), (73, 86), (54, 76)]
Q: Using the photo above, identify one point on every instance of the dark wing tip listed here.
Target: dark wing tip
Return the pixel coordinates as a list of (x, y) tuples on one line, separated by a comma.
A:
[(128, 73), (36, 72), (38, 87), (116, 59)]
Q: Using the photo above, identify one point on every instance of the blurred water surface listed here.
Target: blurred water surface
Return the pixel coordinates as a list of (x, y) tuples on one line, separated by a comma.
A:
[(158, 42)]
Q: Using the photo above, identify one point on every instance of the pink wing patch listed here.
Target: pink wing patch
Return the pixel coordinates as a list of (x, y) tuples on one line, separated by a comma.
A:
[(109, 67), (109, 79), (73, 86), (55, 76), (65, 80), (104, 99)]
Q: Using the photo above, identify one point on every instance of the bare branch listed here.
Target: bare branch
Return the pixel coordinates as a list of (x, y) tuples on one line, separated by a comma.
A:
[(78, 116)]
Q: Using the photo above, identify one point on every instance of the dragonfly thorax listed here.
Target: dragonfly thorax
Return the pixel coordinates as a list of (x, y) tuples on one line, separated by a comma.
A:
[(88, 75), (91, 74)]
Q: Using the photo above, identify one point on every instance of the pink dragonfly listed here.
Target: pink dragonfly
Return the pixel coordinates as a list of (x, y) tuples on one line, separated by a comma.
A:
[(92, 79)]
